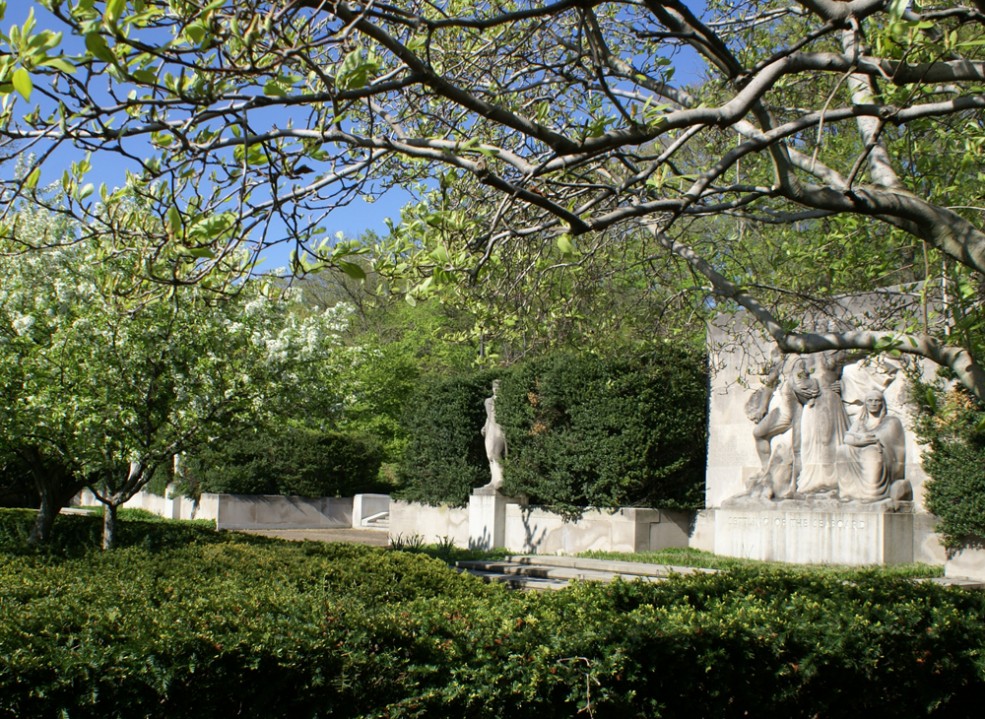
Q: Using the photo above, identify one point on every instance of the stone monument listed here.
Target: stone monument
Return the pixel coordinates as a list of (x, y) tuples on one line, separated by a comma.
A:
[(487, 505), (810, 459)]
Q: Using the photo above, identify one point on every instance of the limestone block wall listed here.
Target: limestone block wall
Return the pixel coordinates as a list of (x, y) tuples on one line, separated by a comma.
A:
[(532, 530), (231, 511), (277, 512), (536, 531), (432, 524)]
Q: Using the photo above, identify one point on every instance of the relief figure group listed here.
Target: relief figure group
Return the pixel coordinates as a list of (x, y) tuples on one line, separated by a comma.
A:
[(807, 443)]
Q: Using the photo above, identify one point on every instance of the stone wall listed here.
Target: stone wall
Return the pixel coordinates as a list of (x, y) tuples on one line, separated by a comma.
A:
[(230, 511), (533, 530), (431, 524)]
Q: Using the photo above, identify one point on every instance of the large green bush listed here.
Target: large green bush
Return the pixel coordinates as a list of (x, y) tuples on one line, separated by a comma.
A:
[(291, 461), (445, 456), (584, 430), (226, 624), (581, 430), (953, 426)]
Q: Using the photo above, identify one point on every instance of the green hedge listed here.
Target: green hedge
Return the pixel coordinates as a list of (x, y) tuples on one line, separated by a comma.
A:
[(581, 431), (952, 424), (445, 456), (291, 461), (589, 431), (233, 626)]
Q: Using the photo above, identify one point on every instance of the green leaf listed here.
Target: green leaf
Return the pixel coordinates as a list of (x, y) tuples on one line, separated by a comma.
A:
[(114, 8), (356, 70), (174, 219), (196, 32), (202, 252), (21, 80), (59, 63), (274, 89), (31, 181), (96, 45), (565, 245), (352, 270)]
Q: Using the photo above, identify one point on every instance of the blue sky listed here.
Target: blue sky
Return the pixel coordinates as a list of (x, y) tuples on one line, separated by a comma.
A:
[(351, 220), (110, 169)]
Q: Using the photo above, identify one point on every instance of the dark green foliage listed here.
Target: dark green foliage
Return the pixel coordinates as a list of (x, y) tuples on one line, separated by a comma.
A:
[(953, 426), (445, 456), (590, 431), (17, 489), (229, 625), (291, 461)]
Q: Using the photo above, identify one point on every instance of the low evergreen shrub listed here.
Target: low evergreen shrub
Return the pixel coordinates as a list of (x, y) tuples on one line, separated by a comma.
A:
[(291, 461), (231, 625), (952, 425)]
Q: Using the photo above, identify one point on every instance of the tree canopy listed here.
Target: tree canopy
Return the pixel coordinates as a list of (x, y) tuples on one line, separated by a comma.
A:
[(554, 129), (105, 379)]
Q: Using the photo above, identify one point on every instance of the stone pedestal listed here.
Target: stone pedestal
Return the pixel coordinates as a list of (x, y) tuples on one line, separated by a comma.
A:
[(487, 518), (816, 533)]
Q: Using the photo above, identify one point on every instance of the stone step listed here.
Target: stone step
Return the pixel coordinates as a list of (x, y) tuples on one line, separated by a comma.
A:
[(530, 572), (614, 566), (547, 572), (380, 520), (516, 581)]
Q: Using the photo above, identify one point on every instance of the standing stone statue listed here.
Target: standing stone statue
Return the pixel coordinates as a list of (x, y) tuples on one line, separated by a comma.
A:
[(778, 433), (495, 440), (823, 424)]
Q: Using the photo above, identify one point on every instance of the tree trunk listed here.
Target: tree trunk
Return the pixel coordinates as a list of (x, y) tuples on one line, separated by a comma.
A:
[(109, 525), (41, 531), (55, 484)]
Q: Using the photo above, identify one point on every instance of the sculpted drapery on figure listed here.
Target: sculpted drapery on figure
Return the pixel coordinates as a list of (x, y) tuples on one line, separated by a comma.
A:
[(823, 425), (804, 441), (873, 456)]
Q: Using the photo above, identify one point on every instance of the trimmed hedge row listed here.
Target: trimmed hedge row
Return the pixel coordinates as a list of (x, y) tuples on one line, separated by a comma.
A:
[(588, 431), (291, 461), (581, 431), (445, 455), (952, 424), (259, 629)]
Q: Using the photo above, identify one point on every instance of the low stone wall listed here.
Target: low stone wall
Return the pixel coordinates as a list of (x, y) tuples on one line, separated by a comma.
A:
[(368, 506), (968, 561), (231, 511), (432, 524), (277, 512), (536, 531), (532, 530)]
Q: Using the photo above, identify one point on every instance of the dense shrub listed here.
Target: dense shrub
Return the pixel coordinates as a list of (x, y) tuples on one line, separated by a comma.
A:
[(581, 431), (16, 486), (445, 456), (289, 460), (231, 625), (590, 431), (953, 426)]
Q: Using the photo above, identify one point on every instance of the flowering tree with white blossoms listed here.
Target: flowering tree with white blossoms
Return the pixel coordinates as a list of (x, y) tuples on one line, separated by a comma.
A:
[(105, 377)]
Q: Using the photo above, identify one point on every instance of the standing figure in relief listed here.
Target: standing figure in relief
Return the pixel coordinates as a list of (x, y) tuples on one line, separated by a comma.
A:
[(778, 433), (823, 423), (495, 440), (873, 455)]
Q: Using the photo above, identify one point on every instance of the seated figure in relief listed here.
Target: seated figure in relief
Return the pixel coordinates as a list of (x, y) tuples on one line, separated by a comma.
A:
[(873, 456)]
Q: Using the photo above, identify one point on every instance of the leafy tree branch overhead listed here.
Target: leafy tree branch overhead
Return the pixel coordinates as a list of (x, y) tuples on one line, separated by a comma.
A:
[(571, 120)]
